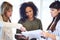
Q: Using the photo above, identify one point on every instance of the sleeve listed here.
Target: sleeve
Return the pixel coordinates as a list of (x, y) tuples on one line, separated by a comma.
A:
[(57, 38), (6, 33), (40, 25), (58, 30), (21, 21), (12, 25)]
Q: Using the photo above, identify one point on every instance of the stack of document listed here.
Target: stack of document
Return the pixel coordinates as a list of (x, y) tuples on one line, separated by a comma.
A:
[(33, 34)]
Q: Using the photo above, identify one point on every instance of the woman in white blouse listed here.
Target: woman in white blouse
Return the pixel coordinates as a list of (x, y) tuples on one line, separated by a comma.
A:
[(54, 28), (6, 12)]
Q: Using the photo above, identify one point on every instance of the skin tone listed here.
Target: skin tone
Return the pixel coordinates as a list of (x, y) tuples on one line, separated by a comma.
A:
[(23, 29), (29, 13), (54, 13), (9, 13)]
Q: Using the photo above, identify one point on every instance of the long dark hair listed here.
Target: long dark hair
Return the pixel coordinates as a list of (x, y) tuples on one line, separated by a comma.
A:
[(55, 5), (23, 7)]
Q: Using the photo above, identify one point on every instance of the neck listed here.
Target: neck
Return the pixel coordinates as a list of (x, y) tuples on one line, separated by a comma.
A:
[(30, 19)]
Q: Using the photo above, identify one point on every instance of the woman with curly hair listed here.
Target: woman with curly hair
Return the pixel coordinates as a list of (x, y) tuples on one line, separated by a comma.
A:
[(28, 13)]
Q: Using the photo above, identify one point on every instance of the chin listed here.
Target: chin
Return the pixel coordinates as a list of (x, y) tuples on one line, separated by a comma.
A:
[(9, 16), (53, 16)]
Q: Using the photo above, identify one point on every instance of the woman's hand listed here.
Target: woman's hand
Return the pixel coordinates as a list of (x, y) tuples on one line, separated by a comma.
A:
[(23, 29), (21, 37), (45, 34)]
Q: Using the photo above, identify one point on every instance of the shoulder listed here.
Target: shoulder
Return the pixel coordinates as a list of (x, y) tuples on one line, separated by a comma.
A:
[(59, 22), (21, 21), (58, 25), (38, 19)]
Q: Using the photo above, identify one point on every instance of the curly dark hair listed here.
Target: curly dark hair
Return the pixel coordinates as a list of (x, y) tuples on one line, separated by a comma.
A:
[(23, 7)]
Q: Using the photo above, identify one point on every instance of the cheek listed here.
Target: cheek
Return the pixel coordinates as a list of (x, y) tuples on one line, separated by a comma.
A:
[(31, 13), (27, 14), (54, 14), (9, 14)]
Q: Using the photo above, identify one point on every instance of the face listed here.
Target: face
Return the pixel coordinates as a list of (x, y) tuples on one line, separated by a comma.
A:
[(9, 13), (29, 12), (54, 12)]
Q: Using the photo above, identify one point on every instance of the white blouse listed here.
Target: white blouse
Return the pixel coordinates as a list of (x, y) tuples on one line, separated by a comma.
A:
[(56, 32)]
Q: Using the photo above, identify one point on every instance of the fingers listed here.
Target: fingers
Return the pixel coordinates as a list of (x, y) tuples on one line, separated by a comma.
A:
[(22, 37), (44, 34), (23, 29), (27, 38)]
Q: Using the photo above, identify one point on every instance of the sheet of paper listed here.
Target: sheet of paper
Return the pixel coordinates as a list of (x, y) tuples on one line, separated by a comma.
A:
[(33, 34)]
